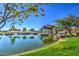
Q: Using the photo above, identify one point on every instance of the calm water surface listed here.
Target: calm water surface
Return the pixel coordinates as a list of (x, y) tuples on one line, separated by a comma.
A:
[(10, 45)]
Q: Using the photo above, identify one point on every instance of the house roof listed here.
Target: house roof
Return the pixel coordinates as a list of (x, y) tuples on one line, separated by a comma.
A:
[(48, 26)]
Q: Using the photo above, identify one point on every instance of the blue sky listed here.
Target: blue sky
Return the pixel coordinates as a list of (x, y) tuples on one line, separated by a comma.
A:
[(53, 12)]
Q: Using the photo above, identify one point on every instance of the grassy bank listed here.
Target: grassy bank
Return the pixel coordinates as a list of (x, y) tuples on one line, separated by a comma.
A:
[(68, 47)]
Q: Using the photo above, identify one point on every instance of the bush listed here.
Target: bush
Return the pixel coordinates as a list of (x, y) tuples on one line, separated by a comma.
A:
[(48, 40)]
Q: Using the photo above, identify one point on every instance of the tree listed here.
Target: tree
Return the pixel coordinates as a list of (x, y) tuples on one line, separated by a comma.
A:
[(69, 21), (19, 11), (19, 30), (32, 29), (13, 28), (24, 29)]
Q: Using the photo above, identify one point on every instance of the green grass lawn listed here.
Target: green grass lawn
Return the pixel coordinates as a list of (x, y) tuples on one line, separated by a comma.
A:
[(68, 47)]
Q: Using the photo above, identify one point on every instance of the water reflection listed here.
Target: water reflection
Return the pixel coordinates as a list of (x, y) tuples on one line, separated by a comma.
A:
[(13, 38), (31, 37), (20, 43), (24, 37), (0, 37), (18, 37), (10, 36), (41, 37)]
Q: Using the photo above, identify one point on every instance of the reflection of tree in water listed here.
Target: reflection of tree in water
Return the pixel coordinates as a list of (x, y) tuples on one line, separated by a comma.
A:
[(31, 37), (0, 37), (41, 37), (13, 39), (18, 37), (24, 37), (10, 36)]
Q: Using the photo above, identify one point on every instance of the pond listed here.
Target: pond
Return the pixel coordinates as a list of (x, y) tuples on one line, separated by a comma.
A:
[(14, 44)]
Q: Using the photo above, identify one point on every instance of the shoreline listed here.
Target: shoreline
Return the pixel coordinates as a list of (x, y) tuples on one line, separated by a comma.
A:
[(30, 51), (38, 49)]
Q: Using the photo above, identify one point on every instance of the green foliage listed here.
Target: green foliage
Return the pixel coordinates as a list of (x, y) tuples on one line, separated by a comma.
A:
[(42, 9), (27, 15), (32, 29), (13, 28), (42, 14), (48, 40), (24, 29), (36, 15), (69, 21), (20, 11), (8, 33)]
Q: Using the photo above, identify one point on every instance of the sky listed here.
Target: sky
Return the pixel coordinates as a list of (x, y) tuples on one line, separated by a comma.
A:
[(53, 13)]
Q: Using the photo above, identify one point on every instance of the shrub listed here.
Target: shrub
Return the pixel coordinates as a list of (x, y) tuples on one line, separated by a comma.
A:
[(48, 40)]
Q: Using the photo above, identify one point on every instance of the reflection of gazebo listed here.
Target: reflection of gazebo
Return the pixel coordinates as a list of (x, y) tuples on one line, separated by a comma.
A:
[(48, 29)]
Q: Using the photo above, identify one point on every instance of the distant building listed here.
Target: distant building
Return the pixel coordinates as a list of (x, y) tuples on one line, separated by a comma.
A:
[(49, 29)]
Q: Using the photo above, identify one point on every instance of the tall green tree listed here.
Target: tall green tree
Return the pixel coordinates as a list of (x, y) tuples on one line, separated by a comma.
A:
[(69, 21), (19, 12)]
